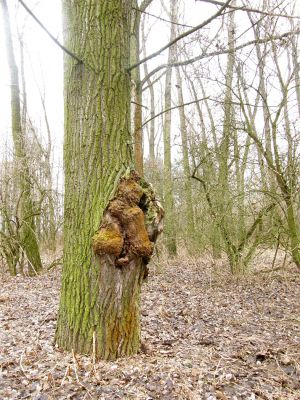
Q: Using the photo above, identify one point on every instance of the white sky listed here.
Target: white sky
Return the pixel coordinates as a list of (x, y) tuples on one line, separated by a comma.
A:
[(44, 59), (43, 67)]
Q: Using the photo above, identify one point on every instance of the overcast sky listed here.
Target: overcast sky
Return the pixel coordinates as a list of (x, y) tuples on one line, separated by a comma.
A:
[(43, 58), (43, 66)]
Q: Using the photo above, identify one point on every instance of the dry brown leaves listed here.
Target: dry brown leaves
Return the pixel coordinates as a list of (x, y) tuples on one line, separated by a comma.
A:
[(205, 336)]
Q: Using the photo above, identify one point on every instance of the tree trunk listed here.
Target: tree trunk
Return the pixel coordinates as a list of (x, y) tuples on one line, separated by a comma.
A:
[(136, 80), (293, 231), (152, 105), (170, 236), (186, 163), (296, 65), (28, 238), (209, 168), (105, 244), (137, 89), (224, 196)]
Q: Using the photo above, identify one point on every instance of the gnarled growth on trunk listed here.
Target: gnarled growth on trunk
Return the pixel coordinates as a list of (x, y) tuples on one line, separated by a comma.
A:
[(130, 224)]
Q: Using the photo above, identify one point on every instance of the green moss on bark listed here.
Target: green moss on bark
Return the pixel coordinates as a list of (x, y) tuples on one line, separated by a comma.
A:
[(100, 304)]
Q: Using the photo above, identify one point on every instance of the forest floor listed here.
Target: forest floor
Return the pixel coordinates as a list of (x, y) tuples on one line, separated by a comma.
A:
[(205, 336)]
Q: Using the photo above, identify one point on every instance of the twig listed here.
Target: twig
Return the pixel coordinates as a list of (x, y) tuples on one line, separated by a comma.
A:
[(75, 364), (221, 52), (138, 104), (266, 271), (183, 35), (94, 352), (55, 263), (173, 108), (162, 19), (50, 34), (283, 320), (22, 368), (251, 10), (67, 373)]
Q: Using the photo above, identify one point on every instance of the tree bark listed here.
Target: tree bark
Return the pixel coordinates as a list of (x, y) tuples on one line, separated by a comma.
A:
[(103, 269), (170, 236), (152, 105), (137, 89)]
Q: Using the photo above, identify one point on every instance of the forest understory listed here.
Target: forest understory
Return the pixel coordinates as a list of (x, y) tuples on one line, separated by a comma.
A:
[(205, 335)]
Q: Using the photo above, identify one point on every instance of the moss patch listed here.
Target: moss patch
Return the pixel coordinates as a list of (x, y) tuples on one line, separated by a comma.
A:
[(108, 240)]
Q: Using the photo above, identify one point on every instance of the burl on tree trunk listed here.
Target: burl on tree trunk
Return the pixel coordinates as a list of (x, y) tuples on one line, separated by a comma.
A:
[(131, 223), (123, 246)]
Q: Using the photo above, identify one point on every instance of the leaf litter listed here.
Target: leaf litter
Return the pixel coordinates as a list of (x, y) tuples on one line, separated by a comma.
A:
[(205, 335)]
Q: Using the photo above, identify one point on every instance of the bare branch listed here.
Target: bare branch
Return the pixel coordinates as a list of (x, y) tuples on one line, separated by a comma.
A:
[(248, 9), (50, 34), (172, 108), (162, 19), (143, 6), (220, 52), (184, 34)]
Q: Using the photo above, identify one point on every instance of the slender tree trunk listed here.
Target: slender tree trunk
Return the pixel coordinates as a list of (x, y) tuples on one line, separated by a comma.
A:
[(106, 245), (137, 89), (170, 235), (225, 202), (186, 163), (261, 57), (51, 230), (136, 79), (241, 161), (28, 238), (276, 169), (297, 74), (293, 231), (209, 168), (152, 106)]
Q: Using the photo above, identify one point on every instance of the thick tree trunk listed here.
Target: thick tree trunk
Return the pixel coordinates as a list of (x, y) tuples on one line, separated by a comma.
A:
[(103, 269), (28, 238)]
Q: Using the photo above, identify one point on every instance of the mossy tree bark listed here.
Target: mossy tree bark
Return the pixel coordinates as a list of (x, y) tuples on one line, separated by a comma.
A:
[(28, 241), (99, 309)]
